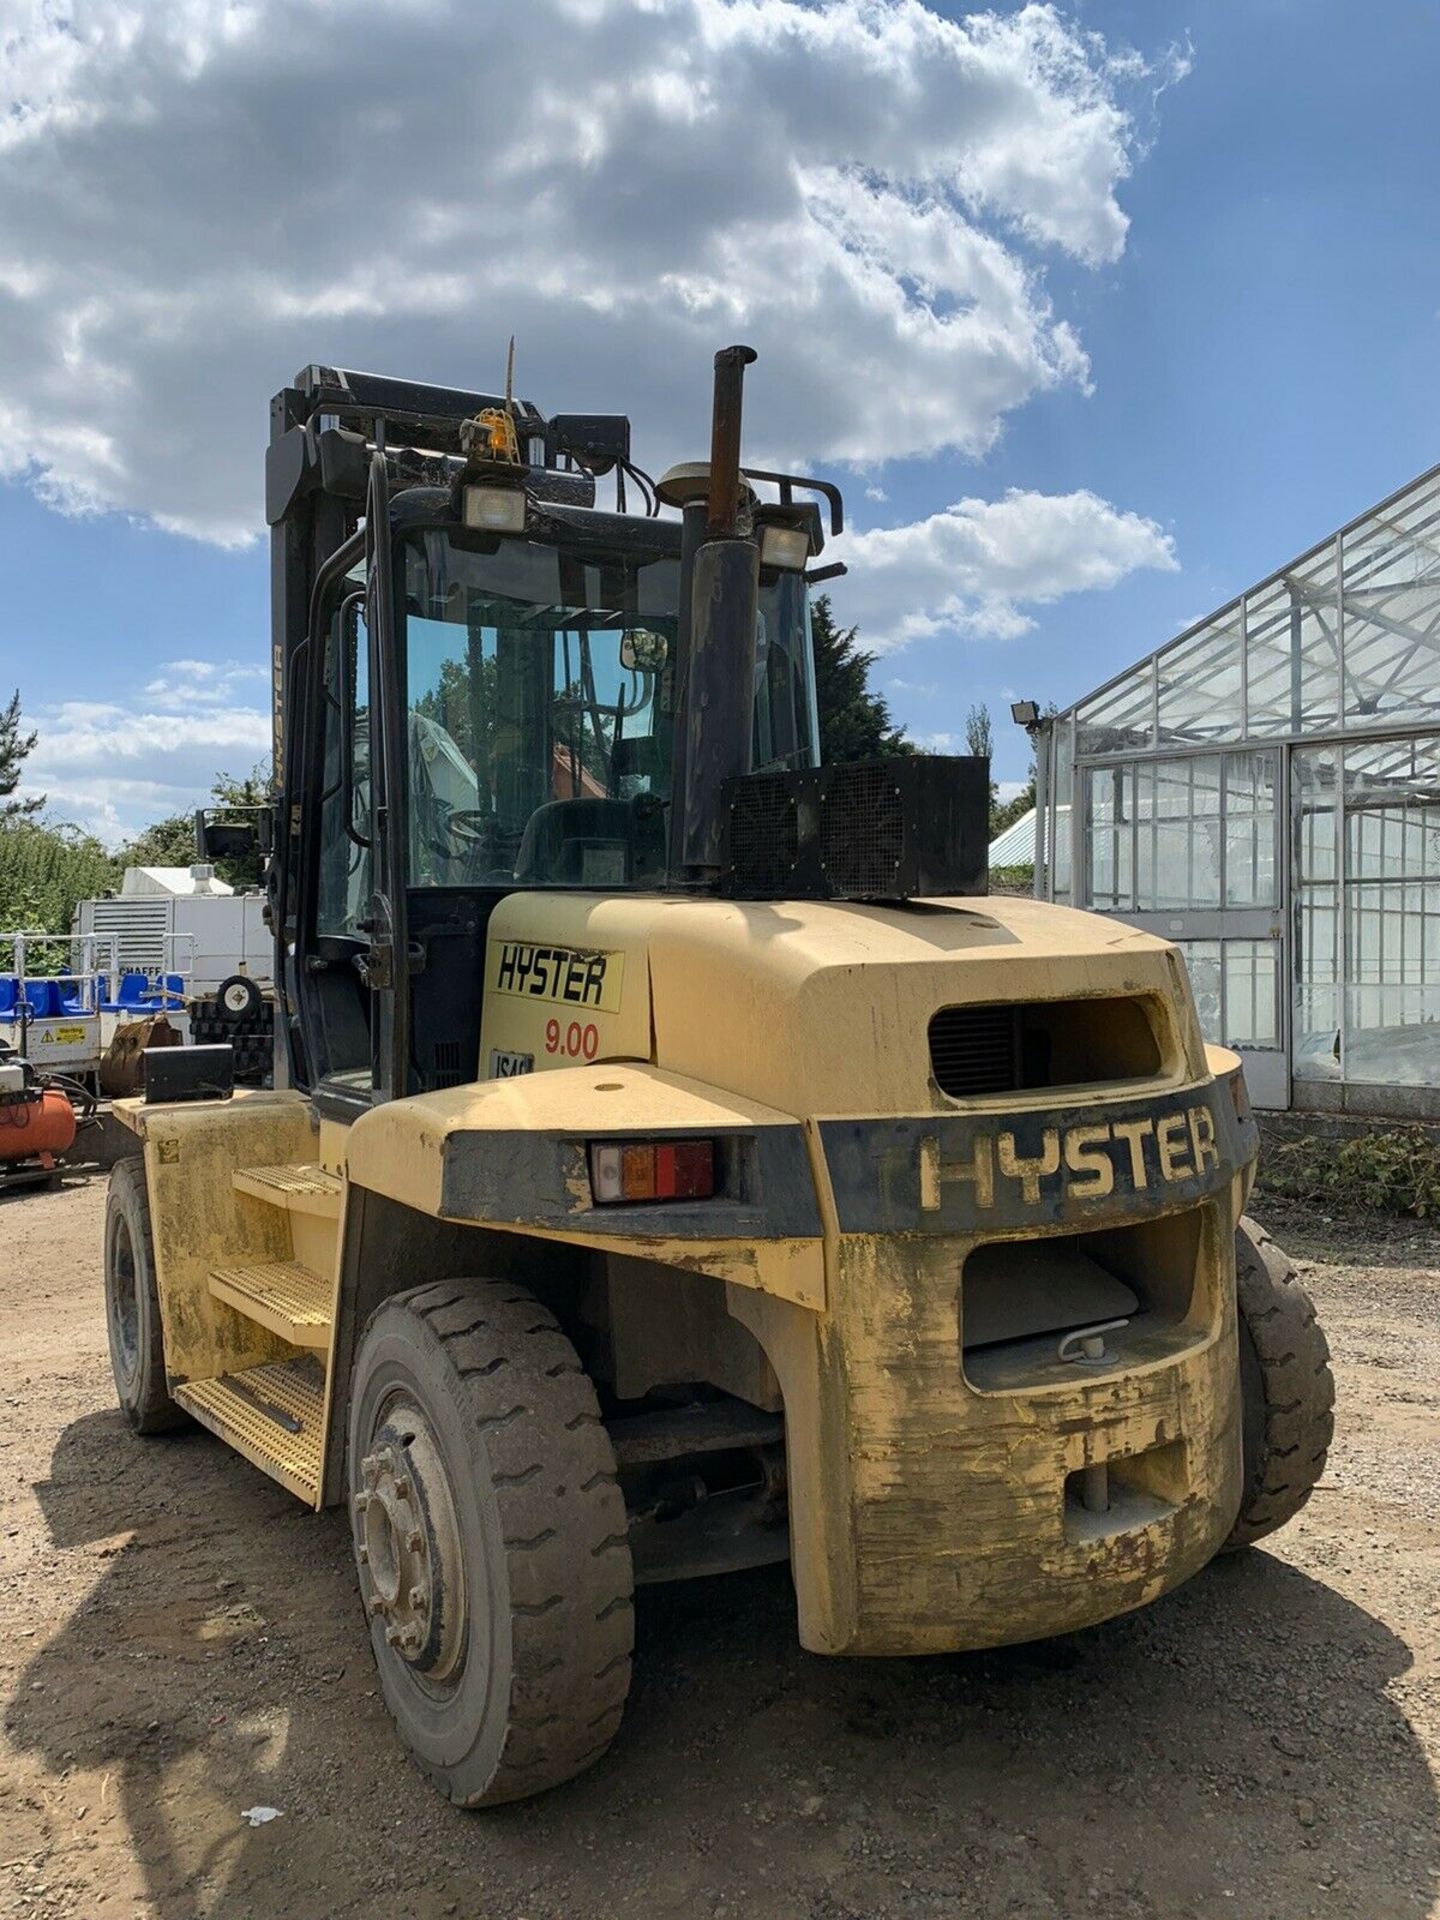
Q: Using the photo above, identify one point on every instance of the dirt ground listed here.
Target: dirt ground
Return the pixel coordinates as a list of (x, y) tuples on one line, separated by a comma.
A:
[(179, 1640)]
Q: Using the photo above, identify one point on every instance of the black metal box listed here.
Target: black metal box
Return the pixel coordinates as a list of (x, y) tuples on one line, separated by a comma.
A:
[(892, 829), (188, 1073)]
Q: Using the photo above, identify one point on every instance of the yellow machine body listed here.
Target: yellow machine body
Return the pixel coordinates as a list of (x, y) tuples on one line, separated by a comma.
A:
[(872, 1227)]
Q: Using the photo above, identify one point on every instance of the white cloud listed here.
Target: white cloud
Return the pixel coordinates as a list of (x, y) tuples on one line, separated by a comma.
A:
[(975, 566), (114, 768), (203, 683), (196, 198)]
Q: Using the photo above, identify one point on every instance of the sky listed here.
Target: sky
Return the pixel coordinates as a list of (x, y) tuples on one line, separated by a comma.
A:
[(1097, 312)]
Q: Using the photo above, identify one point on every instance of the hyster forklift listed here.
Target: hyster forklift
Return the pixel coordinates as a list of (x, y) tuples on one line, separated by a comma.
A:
[(676, 1162)]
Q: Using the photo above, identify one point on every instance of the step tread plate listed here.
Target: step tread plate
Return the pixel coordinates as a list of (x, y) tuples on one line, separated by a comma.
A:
[(279, 1287), (273, 1415), (306, 1188)]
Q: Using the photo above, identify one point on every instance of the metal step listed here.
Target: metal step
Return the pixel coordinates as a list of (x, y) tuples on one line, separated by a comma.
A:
[(288, 1298), (273, 1415), (299, 1189)]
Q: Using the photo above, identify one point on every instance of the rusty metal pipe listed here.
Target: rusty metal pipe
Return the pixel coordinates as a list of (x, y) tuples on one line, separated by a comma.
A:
[(723, 519)]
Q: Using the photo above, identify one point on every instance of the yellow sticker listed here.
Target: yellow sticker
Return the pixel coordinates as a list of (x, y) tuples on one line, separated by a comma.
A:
[(67, 1036), (585, 978)]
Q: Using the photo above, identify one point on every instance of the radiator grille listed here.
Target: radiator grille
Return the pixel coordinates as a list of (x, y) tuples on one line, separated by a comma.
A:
[(975, 1050), (1001, 1047), (141, 927), (449, 1065), (862, 830), (764, 836)]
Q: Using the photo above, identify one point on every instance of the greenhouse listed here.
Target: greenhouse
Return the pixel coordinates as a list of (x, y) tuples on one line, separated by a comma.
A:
[(1265, 791)]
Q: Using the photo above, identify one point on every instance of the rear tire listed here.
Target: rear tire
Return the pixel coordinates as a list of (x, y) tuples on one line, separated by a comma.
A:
[(1287, 1390), (490, 1540), (132, 1304)]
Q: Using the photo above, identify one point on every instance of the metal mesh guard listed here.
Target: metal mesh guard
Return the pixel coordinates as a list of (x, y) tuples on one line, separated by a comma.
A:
[(862, 830), (764, 836)]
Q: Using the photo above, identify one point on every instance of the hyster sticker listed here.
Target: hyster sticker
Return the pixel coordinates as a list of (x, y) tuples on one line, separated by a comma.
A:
[(571, 976)]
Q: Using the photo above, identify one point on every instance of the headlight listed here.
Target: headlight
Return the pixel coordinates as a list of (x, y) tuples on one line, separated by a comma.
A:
[(787, 547), (495, 509)]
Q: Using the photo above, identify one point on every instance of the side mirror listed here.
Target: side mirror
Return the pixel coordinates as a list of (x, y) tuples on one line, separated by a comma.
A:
[(643, 651), (233, 839), (223, 840)]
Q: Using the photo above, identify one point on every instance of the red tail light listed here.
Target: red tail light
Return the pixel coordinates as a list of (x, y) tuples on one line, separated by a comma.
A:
[(627, 1170)]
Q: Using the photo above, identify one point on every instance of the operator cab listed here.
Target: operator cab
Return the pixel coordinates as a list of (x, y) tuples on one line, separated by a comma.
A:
[(474, 709)]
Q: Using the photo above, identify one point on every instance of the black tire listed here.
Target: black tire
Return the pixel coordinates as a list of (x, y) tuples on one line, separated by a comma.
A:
[(490, 1540), (132, 1305), (237, 999), (1287, 1391)]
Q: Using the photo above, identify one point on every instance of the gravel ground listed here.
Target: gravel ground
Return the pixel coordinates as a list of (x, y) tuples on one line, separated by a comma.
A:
[(178, 1641)]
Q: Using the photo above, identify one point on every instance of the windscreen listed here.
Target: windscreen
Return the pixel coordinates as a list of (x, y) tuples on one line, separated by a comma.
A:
[(541, 688)]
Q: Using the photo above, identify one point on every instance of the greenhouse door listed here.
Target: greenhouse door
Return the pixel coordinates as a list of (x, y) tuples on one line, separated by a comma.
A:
[(1236, 961), (1189, 848)]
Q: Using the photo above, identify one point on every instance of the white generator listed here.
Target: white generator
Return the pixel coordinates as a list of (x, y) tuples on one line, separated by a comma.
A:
[(204, 950)]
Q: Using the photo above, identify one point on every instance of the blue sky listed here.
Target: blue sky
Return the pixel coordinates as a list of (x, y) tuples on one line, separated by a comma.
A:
[(1260, 342)]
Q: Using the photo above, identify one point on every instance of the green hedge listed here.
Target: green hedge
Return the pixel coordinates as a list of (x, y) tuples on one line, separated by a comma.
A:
[(1394, 1171)]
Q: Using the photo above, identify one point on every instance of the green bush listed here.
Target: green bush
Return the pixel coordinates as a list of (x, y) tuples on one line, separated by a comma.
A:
[(45, 870), (1394, 1171)]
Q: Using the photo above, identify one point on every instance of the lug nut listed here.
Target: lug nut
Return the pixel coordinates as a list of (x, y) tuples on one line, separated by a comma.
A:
[(417, 1598), (402, 1488), (362, 1554), (415, 1540), (377, 1605), (392, 1636), (410, 1639)]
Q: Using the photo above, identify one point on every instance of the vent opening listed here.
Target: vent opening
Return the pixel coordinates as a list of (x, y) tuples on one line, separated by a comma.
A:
[(1051, 1043), (1025, 1305)]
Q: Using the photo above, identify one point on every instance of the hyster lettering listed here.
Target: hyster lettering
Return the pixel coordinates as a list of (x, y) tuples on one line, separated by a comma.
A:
[(566, 974), (1085, 1161)]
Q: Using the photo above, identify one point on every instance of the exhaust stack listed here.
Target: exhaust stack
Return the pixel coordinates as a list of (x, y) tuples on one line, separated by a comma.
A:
[(721, 595)]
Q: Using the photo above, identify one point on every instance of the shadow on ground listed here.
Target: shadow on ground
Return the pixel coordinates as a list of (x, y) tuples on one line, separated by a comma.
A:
[(1232, 1750)]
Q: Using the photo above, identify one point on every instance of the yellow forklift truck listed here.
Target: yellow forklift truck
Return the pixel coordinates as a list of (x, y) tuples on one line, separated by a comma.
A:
[(676, 1162)]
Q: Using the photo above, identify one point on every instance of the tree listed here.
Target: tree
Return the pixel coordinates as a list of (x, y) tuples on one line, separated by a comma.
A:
[(164, 843), (855, 723), (14, 750), (979, 734)]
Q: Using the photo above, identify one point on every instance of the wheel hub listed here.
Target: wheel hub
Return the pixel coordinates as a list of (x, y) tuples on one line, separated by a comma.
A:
[(406, 1542)]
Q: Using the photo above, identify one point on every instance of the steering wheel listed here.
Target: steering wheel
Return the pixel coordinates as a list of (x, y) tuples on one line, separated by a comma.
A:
[(474, 825)]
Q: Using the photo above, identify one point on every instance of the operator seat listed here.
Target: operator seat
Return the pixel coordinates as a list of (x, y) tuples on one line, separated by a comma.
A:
[(593, 843)]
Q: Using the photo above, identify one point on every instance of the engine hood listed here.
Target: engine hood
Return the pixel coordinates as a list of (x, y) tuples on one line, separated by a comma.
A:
[(813, 1007)]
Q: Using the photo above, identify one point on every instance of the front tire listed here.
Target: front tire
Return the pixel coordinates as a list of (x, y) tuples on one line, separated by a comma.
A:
[(1287, 1390), (132, 1304), (490, 1540)]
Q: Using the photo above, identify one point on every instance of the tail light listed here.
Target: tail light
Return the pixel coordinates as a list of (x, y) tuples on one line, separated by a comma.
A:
[(623, 1170)]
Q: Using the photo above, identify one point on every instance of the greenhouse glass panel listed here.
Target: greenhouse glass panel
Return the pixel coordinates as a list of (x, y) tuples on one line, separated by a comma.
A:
[(1110, 822), (1062, 832), (1251, 783), (1249, 983), (1392, 913), (1392, 611), (1202, 963), (1199, 692), (1314, 792), (1119, 719), (1292, 649), (1178, 808)]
